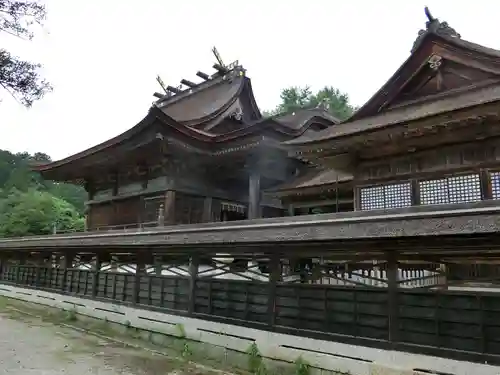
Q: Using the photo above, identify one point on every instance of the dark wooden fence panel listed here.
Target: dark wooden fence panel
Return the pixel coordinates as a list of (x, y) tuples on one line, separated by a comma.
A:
[(169, 292), (232, 299), (50, 277), (451, 320), (9, 273), (27, 275), (340, 310), (125, 287)]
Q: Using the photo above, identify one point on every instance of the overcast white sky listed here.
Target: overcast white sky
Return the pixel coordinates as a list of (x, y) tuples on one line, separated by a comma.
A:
[(102, 56)]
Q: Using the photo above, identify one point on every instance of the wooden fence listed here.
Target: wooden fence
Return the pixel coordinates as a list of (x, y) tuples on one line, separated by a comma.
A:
[(461, 325)]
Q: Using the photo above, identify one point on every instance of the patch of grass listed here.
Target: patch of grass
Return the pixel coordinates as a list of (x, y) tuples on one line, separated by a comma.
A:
[(255, 364), (71, 315), (302, 367), (186, 351)]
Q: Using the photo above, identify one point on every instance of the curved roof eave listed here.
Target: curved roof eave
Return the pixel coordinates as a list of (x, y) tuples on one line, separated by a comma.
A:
[(218, 112), (101, 146), (153, 114), (267, 124)]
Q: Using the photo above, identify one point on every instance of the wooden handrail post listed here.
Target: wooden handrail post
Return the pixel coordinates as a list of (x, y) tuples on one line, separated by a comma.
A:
[(392, 289), (193, 276)]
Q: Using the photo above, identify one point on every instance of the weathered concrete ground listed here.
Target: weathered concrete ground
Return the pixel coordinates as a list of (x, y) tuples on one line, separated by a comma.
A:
[(29, 345)]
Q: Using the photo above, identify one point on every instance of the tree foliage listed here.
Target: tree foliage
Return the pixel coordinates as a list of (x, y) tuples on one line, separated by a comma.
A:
[(31, 205), (18, 77), (294, 98), (36, 213)]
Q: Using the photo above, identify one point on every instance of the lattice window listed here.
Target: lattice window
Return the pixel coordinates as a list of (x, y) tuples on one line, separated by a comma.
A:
[(465, 188), (385, 196), (372, 198), (434, 192), (398, 195), (457, 189), (495, 185)]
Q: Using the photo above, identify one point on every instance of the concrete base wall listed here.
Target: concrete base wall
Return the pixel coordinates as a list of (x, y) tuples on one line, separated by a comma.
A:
[(324, 356)]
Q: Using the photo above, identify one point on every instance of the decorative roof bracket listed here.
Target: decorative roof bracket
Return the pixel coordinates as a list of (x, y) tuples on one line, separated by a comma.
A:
[(433, 25), (435, 62)]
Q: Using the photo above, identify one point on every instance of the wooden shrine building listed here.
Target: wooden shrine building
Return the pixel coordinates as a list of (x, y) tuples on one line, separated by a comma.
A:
[(202, 153), (429, 136)]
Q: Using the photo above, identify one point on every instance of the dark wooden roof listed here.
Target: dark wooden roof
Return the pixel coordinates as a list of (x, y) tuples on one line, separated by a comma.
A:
[(208, 104), (391, 104), (405, 114), (302, 118), (316, 178), (185, 117)]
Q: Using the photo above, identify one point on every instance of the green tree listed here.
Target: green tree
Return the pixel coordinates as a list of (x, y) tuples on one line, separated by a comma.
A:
[(294, 98), (336, 101), (36, 213), (75, 195), (18, 77), (16, 174)]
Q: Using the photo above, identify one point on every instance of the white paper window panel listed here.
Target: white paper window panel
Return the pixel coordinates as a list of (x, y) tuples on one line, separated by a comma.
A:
[(457, 189), (385, 196)]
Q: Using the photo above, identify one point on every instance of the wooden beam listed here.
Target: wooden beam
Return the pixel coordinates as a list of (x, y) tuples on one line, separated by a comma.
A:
[(188, 83), (220, 69), (174, 90), (202, 75)]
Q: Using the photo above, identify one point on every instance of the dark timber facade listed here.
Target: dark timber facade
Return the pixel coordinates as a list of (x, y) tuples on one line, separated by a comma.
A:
[(391, 234)]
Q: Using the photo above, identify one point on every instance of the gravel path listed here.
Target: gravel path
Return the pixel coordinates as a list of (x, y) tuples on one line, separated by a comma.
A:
[(29, 346)]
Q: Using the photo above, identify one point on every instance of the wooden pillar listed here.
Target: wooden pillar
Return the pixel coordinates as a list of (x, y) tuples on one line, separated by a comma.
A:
[(356, 198), (274, 278), (96, 268), (113, 264), (254, 196), (3, 258), (158, 263), (39, 264), (207, 210), (21, 262), (193, 274), (415, 192), (66, 263), (291, 210), (140, 270), (486, 188), (392, 289), (443, 277), (169, 208), (161, 216)]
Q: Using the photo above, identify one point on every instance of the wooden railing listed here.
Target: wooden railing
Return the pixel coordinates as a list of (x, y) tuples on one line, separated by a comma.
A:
[(460, 325)]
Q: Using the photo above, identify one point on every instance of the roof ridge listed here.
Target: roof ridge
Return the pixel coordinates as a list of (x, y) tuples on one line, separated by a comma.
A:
[(217, 78)]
